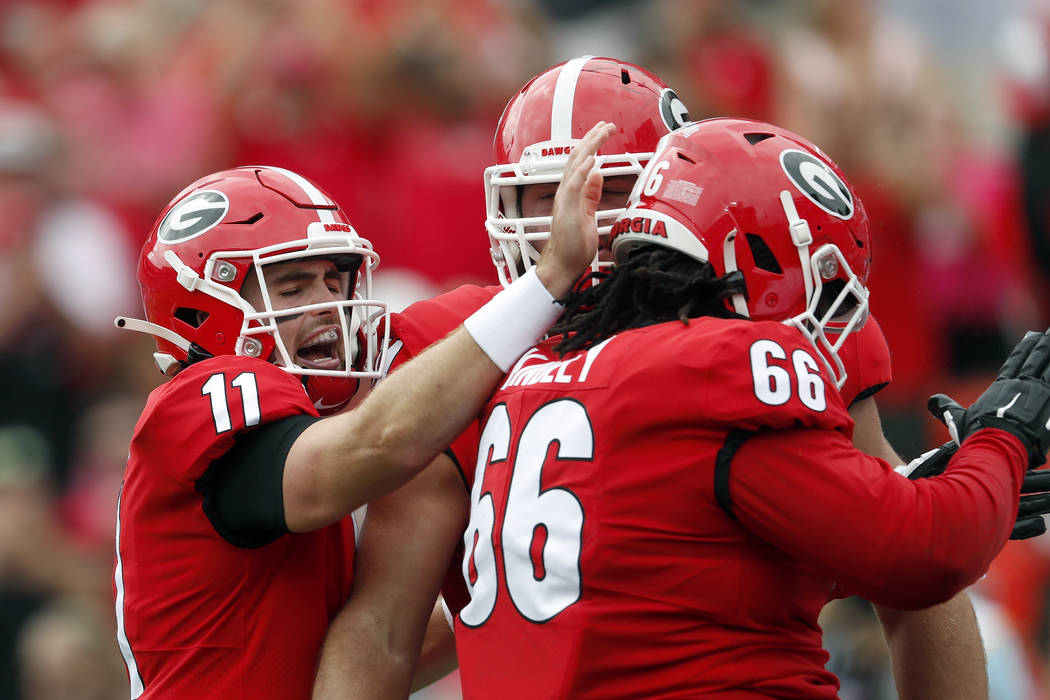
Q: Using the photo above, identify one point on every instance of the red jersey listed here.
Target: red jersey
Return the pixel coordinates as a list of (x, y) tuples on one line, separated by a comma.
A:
[(197, 616), (641, 524), (865, 357)]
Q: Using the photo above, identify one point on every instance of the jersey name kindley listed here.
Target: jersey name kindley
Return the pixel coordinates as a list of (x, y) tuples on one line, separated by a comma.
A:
[(574, 369)]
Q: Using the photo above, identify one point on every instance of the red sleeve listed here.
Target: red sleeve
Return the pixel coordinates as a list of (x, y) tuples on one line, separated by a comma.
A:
[(428, 321), (905, 544), (866, 358), (194, 418)]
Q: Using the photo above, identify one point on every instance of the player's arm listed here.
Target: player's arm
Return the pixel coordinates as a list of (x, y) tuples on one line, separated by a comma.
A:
[(438, 657), (407, 541), (899, 542), (937, 652), (339, 463), (905, 544)]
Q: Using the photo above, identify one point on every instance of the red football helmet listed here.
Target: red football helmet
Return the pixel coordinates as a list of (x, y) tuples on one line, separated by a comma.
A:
[(542, 123), (751, 197), (227, 226)]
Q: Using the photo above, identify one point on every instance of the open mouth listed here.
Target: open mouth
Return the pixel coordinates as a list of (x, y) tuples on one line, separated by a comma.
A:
[(321, 350)]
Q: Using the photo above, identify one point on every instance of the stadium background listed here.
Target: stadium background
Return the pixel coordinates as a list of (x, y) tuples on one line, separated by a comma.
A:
[(939, 111)]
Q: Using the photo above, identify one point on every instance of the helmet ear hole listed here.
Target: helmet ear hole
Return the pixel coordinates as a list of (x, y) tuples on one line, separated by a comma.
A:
[(763, 256), (191, 317)]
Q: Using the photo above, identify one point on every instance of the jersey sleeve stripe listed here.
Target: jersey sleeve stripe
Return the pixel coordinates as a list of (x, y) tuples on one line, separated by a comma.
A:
[(723, 460)]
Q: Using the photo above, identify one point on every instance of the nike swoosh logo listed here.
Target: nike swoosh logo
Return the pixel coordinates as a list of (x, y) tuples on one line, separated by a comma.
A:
[(320, 405), (1002, 411)]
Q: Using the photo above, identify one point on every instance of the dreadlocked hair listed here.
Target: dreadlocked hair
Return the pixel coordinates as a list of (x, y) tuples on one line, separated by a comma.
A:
[(656, 284)]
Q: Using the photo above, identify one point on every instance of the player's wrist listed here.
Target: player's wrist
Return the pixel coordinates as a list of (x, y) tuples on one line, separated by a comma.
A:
[(1030, 445), (930, 463), (556, 278), (514, 320)]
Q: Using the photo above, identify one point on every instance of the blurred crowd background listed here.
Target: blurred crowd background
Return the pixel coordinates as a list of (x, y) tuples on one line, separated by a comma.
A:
[(939, 111)]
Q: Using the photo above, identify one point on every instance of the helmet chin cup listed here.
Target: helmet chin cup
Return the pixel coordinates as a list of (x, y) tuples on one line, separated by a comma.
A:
[(331, 395)]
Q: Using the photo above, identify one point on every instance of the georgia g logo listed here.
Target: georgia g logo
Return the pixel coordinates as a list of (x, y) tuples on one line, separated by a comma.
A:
[(199, 212), (818, 182), (672, 110)]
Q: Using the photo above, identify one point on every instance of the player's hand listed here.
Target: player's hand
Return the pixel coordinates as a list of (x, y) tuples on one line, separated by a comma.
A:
[(1035, 489), (929, 463), (1018, 401), (574, 231), (1035, 503)]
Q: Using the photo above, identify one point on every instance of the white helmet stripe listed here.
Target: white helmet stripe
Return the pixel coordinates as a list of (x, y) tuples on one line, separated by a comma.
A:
[(315, 195), (564, 96)]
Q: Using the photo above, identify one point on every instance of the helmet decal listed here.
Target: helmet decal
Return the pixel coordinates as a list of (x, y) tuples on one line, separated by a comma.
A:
[(672, 109), (564, 97), (200, 212), (818, 182)]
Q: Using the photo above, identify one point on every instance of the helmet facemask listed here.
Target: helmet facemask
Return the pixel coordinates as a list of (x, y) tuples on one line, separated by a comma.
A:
[(836, 300), (358, 317), (836, 307), (348, 347), (513, 237)]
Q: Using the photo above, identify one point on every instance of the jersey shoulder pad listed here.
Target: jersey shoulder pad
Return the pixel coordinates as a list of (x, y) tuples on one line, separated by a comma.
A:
[(866, 358), (764, 375), (195, 417), (430, 320)]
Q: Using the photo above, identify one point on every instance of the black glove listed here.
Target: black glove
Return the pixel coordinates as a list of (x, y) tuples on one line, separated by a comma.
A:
[(1018, 401), (1035, 503), (1035, 489)]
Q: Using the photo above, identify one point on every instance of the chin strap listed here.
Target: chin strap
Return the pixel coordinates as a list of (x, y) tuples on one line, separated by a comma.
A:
[(140, 326), (802, 237), (729, 258), (165, 362)]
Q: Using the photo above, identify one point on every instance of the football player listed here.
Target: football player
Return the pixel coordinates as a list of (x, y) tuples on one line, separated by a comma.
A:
[(234, 539), (666, 491), (538, 127)]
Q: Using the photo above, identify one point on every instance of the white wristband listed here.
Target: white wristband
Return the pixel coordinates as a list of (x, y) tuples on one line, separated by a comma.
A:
[(514, 320)]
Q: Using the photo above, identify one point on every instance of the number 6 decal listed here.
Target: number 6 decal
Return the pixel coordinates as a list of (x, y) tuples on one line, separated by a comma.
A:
[(543, 585), (656, 178)]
